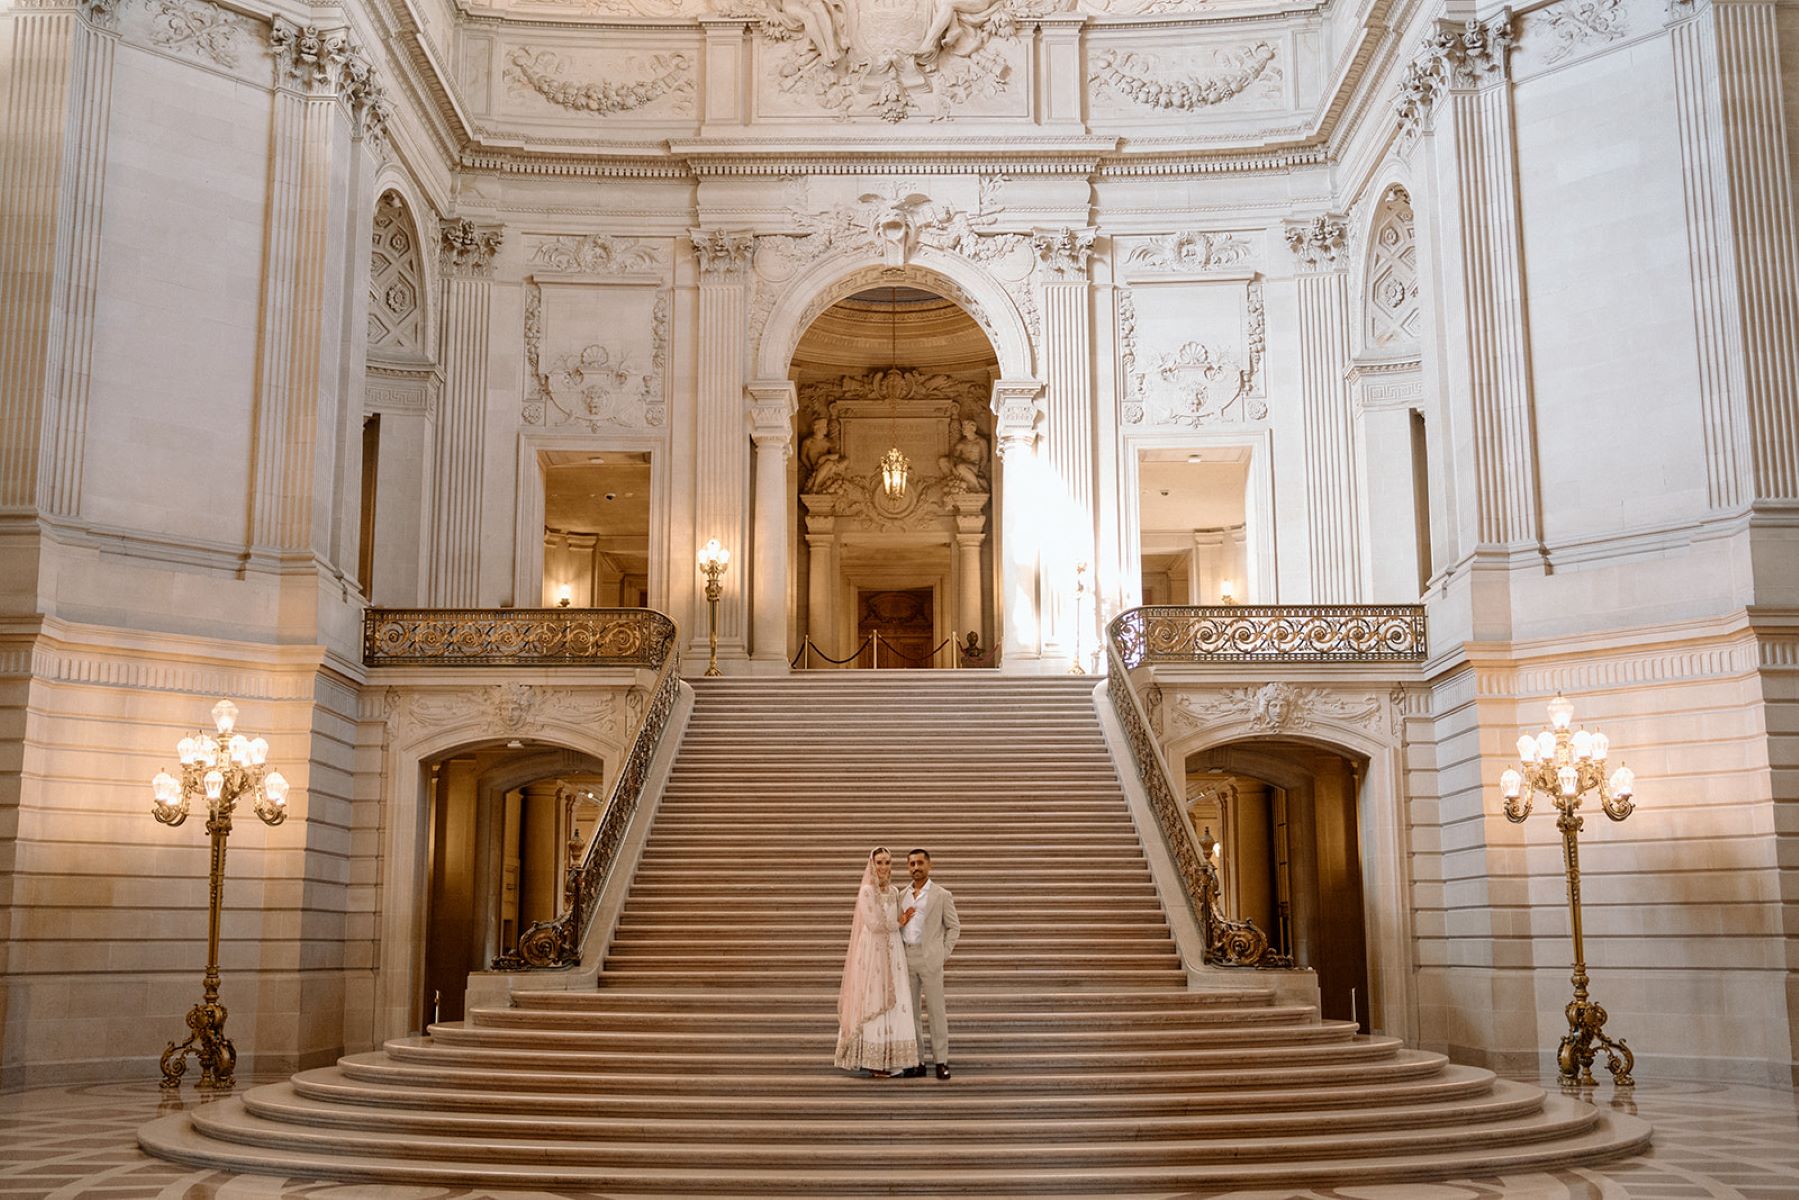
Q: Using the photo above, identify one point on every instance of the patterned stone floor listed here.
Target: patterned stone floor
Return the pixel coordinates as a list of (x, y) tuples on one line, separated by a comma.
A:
[(1726, 1142)]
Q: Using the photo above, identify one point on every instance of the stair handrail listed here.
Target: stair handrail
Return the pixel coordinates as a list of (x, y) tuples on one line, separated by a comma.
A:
[(557, 942), (1227, 941)]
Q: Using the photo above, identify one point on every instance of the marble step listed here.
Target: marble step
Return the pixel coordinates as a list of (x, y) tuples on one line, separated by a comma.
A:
[(1264, 1072), (968, 1101), (749, 979), (1175, 999), (913, 1120), (819, 1044), (826, 1157), (762, 939), (1130, 1021), (1328, 1048)]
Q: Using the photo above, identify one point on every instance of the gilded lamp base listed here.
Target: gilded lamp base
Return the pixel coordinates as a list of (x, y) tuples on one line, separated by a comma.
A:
[(1582, 1044), (207, 1043)]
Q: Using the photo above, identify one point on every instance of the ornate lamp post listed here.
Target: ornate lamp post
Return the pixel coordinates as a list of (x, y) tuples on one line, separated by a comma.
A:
[(1080, 593), (222, 767), (1565, 765), (714, 558)]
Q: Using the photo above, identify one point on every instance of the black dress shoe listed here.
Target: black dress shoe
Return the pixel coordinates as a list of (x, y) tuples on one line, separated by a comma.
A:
[(942, 1070), (912, 1073)]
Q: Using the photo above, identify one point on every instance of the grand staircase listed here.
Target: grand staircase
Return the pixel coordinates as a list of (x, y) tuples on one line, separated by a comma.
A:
[(1082, 1064)]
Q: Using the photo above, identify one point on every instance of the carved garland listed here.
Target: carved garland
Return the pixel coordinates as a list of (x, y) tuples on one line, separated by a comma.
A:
[(540, 70), (1192, 250), (1139, 78), (597, 254)]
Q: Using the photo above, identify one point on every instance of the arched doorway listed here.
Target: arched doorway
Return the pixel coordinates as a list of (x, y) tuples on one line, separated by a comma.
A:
[(1286, 814), (504, 824), (893, 576)]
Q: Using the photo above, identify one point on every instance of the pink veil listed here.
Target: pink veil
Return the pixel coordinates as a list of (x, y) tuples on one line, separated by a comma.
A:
[(869, 988)]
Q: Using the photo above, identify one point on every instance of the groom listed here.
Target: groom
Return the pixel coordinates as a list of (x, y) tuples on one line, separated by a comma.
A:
[(929, 936)]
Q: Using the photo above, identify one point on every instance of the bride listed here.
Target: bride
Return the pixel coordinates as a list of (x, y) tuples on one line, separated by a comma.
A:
[(874, 1007)]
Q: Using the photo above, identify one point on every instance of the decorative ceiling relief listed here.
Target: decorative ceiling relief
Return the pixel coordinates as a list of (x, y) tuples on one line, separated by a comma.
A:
[(653, 77), (1573, 25), (198, 28), (1191, 80), (1281, 708), (1189, 252), (597, 254), (892, 225), (618, 382), (1391, 304), (396, 281), (892, 58), (1176, 381), (935, 418)]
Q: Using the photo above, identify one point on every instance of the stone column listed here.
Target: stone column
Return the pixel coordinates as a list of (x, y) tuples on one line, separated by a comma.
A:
[(52, 185), (772, 403), (325, 100), (465, 259), (821, 573), (1068, 436), (971, 534), (1333, 505), (722, 465), (1741, 231), (1017, 412), (1456, 96)]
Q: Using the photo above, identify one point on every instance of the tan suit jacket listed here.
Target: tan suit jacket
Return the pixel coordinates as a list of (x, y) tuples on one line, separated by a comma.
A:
[(941, 924)]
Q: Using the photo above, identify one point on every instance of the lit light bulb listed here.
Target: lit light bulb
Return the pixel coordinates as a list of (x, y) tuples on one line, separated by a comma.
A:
[(1227, 589), (205, 752), (166, 787), (259, 751), (1510, 783), (565, 595), (1602, 746), (215, 784), (239, 749), (1583, 744), (1624, 782), (1569, 778), (188, 750), (1527, 749), (1546, 745), (275, 788), (1561, 712), (224, 715)]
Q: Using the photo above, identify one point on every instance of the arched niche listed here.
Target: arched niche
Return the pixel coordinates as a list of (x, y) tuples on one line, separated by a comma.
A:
[(1392, 315)]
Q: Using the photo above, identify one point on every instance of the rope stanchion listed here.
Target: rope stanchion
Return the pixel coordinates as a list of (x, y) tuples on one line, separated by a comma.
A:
[(926, 657), (813, 647)]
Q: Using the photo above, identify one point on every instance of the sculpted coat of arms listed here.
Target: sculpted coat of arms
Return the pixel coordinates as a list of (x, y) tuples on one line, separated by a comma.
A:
[(880, 53)]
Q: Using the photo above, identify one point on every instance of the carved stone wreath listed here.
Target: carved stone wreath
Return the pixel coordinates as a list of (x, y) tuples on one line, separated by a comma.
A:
[(1142, 79), (540, 71)]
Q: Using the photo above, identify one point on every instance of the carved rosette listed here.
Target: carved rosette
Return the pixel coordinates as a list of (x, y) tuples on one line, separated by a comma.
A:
[(1065, 253), (1463, 56), (1320, 244), (468, 249), (723, 254), (328, 62)]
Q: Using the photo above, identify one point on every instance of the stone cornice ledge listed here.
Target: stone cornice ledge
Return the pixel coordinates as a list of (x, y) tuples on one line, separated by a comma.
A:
[(1053, 155)]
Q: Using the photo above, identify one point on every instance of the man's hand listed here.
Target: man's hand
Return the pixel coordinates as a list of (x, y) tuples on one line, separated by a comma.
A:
[(906, 917)]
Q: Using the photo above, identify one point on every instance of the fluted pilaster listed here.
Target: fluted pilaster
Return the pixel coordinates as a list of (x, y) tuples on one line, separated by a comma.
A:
[(1333, 499), (722, 451), (772, 404), (1740, 232), (1018, 416), (1068, 434), (466, 257), (52, 185)]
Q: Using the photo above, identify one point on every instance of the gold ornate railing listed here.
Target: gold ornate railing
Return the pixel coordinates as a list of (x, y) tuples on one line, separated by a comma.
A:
[(557, 942), (1228, 942), (506, 637), (1275, 633)]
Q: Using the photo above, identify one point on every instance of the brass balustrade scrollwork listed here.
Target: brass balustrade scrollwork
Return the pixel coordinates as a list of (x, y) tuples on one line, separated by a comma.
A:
[(1228, 942), (1271, 633), (557, 942), (504, 637)]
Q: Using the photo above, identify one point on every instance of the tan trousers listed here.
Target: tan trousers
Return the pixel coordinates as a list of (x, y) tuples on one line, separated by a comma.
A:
[(927, 985)]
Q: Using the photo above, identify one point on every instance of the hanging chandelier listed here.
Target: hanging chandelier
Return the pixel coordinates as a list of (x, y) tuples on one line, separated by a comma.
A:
[(894, 465)]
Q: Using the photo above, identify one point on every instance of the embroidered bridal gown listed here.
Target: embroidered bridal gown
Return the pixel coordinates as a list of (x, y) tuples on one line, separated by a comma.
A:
[(875, 1031)]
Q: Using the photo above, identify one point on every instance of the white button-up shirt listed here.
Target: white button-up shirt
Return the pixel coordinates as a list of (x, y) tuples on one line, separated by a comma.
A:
[(912, 932)]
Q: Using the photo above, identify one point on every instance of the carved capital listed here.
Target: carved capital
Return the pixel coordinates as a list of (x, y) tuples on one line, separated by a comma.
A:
[(1017, 411), (102, 14), (468, 249), (1456, 56), (328, 62), (1064, 252), (771, 404), (1319, 244), (724, 254)]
